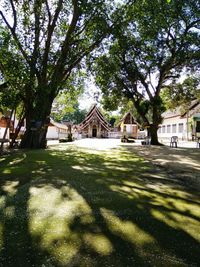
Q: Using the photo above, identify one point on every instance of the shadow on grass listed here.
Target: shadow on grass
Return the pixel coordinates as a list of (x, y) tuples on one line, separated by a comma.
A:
[(75, 207)]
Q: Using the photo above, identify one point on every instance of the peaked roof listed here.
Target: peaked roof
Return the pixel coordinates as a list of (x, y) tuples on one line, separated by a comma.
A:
[(94, 112), (58, 125), (128, 119), (178, 112), (193, 108)]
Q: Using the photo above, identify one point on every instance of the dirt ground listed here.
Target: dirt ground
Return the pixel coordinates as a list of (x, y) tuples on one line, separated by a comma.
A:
[(182, 164)]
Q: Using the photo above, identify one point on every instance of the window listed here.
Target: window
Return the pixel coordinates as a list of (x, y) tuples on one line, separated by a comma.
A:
[(163, 129), (169, 128), (180, 127), (173, 128)]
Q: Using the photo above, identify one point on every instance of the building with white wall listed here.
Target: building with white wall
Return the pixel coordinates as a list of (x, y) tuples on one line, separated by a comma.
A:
[(180, 122), (57, 130), (128, 126), (3, 125)]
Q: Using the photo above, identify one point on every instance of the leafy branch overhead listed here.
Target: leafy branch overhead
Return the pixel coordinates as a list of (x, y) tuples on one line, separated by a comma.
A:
[(48, 40), (156, 43)]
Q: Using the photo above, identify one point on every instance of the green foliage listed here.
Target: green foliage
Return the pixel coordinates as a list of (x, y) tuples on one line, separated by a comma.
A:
[(74, 116), (66, 101), (68, 110), (155, 42), (111, 118), (43, 48), (182, 93)]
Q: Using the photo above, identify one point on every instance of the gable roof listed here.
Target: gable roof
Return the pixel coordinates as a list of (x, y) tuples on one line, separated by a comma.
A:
[(193, 108), (170, 113), (94, 112), (179, 112), (128, 118), (58, 125)]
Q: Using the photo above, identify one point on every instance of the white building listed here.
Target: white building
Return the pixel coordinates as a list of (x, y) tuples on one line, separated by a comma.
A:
[(128, 126), (3, 125), (181, 123), (57, 130)]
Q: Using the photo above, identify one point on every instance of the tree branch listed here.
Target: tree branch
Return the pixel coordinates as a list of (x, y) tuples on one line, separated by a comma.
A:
[(60, 65), (48, 11), (37, 10), (51, 27), (12, 30), (14, 15)]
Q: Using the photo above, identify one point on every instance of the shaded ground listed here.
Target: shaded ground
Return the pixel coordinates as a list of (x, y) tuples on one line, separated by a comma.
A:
[(181, 164), (79, 206)]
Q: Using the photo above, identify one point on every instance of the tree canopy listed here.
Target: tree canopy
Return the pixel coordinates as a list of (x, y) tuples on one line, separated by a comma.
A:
[(181, 93), (156, 42), (46, 42)]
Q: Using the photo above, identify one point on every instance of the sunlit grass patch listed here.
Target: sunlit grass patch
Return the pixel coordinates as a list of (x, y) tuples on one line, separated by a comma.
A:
[(126, 229), (69, 205)]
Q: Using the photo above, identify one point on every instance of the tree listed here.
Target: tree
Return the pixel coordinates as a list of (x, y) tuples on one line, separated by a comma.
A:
[(181, 93), (157, 40), (9, 104), (75, 116), (66, 101), (48, 41)]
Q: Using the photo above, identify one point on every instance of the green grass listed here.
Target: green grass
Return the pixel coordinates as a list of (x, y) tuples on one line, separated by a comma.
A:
[(75, 207)]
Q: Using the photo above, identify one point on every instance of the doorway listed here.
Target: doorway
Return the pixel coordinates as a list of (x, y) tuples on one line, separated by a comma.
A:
[(94, 132)]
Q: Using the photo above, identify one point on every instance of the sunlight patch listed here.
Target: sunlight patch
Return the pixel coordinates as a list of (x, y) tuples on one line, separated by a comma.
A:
[(99, 243), (9, 212), (126, 229), (52, 212), (6, 171), (10, 187), (82, 168), (2, 202), (65, 252), (18, 160), (188, 224)]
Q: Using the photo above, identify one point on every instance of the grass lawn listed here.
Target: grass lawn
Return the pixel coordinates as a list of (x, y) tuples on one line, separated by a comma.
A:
[(69, 206)]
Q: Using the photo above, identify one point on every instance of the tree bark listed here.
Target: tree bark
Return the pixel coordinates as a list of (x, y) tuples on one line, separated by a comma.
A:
[(153, 128), (156, 120), (17, 130), (37, 121)]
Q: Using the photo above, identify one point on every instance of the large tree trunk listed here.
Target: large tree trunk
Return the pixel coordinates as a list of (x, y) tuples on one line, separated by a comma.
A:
[(153, 134), (153, 128), (37, 121)]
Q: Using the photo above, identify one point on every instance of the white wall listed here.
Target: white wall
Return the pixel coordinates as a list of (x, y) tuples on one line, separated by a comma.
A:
[(167, 128), (52, 133), (2, 131)]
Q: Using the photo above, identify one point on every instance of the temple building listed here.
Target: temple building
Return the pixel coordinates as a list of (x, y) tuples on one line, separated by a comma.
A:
[(128, 126), (94, 124)]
